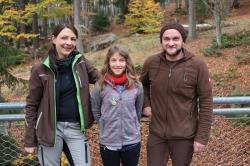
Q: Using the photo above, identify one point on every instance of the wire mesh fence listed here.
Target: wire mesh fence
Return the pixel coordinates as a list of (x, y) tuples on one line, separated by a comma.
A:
[(11, 145), (229, 144)]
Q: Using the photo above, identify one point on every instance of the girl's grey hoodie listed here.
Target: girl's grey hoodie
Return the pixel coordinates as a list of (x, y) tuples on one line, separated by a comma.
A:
[(118, 114)]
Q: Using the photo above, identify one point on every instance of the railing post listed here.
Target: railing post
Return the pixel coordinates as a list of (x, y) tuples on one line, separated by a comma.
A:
[(3, 128)]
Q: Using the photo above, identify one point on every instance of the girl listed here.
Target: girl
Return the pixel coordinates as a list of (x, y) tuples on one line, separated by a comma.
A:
[(58, 102), (117, 101)]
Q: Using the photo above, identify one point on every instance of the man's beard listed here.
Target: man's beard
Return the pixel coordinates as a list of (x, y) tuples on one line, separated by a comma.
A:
[(174, 54)]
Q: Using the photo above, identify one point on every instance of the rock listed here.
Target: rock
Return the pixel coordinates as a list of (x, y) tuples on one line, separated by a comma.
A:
[(102, 41), (205, 27)]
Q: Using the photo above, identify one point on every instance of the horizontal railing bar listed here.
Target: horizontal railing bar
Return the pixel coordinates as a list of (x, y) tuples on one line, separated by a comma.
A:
[(222, 111), (232, 100), (12, 117), (216, 100), (231, 111), (12, 105)]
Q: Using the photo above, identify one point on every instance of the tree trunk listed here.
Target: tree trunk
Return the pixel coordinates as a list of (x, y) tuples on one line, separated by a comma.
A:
[(112, 9), (186, 5), (236, 4), (35, 29), (192, 19), (125, 6), (22, 26), (228, 7), (217, 17), (178, 4), (164, 3), (22, 40), (85, 13), (77, 23), (45, 27)]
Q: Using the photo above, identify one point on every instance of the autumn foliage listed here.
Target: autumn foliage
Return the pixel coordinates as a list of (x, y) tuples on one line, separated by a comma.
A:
[(143, 16), (13, 13)]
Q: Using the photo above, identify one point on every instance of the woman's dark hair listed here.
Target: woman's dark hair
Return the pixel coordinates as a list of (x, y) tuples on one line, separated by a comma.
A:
[(60, 27)]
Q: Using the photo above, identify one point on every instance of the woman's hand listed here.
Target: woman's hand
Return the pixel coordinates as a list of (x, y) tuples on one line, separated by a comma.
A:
[(30, 150)]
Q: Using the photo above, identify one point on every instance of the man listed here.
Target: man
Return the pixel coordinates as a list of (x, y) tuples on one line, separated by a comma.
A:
[(178, 98)]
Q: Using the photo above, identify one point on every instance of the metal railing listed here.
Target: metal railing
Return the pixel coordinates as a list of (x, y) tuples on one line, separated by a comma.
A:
[(229, 143), (216, 111), (231, 100), (12, 106)]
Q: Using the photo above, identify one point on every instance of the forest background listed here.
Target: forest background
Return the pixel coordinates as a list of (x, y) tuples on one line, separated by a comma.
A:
[(221, 35), (218, 30)]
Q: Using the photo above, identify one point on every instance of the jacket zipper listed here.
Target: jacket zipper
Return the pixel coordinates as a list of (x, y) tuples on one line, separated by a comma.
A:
[(55, 80), (191, 114), (39, 117), (78, 97), (120, 98), (54, 89), (168, 91), (168, 84), (79, 79)]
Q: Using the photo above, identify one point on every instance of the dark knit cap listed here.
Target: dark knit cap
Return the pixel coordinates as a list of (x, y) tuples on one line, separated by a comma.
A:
[(174, 25)]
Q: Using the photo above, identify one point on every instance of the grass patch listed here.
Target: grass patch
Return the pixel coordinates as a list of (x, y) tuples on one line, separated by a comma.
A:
[(212, 51), (138, 68), (139, 48), (239, 92), (240, 120), (220, 79), (243, 57), (142, 42), (231, 73), (228, 41)]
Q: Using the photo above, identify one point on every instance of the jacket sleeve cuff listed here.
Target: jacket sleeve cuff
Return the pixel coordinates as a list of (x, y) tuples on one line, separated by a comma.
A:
[(203, 141), (30, 139), (34, 144)]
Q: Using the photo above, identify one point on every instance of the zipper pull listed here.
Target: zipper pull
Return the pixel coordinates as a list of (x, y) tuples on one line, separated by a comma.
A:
[(191, 114), (185, 77), (170, 73)]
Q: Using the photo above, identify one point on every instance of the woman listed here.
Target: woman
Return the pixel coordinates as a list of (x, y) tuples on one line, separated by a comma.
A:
[(117, 101), (58, 106)]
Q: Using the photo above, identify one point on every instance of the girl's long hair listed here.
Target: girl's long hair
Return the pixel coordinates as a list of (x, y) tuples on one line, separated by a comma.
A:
[(129, 71)]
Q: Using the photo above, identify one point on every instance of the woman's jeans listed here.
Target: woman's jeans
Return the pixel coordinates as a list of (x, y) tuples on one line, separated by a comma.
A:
[(76, 142)]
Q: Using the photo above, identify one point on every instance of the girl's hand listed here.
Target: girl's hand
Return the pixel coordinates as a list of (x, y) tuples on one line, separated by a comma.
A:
[(30, 150), (147, 112)]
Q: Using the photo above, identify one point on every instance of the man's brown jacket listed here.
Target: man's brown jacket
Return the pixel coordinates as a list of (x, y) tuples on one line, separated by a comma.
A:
[(180, 96)]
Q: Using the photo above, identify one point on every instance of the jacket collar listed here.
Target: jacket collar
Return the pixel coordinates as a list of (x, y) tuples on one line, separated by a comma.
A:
[(46, 61)]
